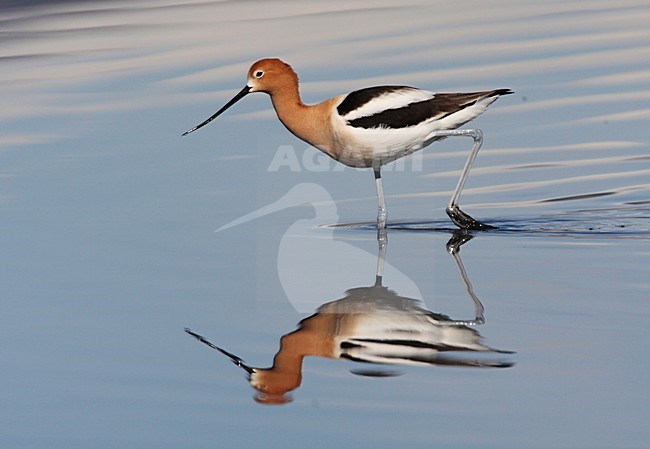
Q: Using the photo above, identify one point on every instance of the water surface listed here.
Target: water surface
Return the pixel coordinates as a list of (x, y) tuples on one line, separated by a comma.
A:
[(108, 219)]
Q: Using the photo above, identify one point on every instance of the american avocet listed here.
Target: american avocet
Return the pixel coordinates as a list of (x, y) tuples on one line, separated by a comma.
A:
[(374, 126)]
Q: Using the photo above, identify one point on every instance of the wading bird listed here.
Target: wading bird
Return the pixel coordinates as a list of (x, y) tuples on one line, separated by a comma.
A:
[(371, 127)]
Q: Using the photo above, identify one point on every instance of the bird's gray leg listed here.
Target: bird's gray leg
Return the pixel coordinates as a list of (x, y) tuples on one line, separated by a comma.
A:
[(382, 241), (381, 214), (453, 248), (460, 218), (382, 237)]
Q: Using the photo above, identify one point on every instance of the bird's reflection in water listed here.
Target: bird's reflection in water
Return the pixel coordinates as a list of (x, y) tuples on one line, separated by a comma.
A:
[(378, 326), (374, 325)]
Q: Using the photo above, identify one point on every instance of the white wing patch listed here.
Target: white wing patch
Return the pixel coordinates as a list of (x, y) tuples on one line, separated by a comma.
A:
[(390, 100)]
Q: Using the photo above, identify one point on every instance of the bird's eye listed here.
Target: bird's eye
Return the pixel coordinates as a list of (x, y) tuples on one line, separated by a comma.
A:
[(258, 74)]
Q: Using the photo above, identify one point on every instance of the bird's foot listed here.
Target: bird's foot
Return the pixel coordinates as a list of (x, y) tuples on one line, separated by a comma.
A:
[(464, 221), (458, 238)]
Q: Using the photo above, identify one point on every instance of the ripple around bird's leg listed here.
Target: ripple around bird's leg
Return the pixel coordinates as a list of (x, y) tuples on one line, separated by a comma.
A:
[(627, 221)]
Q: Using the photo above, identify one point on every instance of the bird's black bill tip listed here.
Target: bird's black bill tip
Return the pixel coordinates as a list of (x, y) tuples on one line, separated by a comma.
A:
[(233, 358), (242, 93)]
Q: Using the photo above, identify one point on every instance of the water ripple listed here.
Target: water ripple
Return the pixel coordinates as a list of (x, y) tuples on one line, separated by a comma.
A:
[(624, 222)]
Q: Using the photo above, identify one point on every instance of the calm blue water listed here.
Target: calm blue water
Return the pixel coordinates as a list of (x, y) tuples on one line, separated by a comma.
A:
[(108, 217)]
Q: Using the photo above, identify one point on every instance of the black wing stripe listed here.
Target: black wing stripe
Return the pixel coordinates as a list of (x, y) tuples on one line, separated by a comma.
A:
[(409, 115), (412, 344), (354, 100), (438, 107)]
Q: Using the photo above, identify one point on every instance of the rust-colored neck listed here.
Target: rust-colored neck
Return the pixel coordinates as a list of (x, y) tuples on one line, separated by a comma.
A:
[(310, 123), (315, 337)]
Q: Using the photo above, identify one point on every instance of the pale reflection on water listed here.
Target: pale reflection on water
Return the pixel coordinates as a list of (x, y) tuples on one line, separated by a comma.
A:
[(375, 325), (107, 223)]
